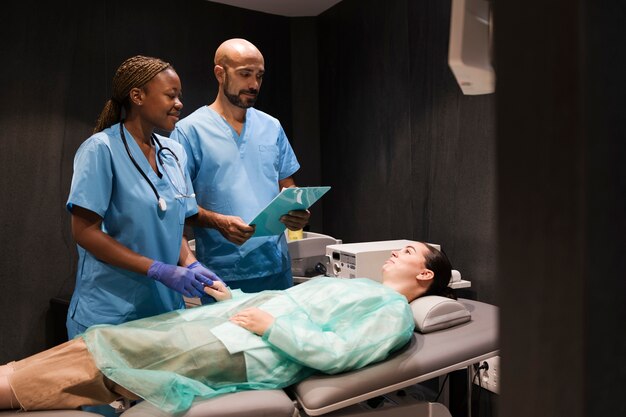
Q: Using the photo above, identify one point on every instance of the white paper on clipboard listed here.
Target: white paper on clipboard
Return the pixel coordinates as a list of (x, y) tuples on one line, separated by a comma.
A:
[(295, 198)]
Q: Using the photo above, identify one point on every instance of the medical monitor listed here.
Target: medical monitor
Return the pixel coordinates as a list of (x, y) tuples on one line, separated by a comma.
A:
[(362, 260)]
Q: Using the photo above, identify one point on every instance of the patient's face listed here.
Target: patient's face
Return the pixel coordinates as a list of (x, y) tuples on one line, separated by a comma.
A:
[(407, 262)]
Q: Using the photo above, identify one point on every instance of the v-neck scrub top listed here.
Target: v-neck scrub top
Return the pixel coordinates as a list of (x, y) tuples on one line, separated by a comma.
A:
[(237, 175), (106, 182)]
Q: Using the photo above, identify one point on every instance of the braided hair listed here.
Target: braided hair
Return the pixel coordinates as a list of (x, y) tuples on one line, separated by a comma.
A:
[(135, 72)]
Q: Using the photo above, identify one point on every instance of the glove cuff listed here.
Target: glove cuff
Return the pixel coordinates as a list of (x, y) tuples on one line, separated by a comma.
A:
[(153, 271)]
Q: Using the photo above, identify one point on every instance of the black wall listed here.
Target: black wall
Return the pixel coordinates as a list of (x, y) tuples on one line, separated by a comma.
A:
[(562, 207), (407, 154)]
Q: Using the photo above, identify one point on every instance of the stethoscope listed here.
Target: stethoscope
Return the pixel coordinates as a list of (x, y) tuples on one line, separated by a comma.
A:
[(161, 151)]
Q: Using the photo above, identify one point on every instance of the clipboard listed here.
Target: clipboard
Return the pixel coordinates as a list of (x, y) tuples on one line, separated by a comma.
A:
[(295, 198)]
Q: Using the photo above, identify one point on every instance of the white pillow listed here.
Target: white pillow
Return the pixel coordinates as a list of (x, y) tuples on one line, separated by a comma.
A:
[(434, 312)]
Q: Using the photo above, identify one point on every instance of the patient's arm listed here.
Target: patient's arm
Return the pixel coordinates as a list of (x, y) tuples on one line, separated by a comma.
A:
[(253, 319), (350, 337), (219, 291)]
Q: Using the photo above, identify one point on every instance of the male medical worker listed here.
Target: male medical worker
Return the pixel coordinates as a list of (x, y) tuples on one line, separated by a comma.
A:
[(239, 160)]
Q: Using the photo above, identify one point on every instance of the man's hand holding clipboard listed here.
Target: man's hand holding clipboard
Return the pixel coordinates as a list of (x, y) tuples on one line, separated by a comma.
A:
[(268, 221)]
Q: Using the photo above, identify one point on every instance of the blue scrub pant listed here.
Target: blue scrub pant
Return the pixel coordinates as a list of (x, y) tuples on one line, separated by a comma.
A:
[(74, 329)]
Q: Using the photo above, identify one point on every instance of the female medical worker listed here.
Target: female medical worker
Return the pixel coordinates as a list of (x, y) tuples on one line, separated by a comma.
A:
[(129, 198)]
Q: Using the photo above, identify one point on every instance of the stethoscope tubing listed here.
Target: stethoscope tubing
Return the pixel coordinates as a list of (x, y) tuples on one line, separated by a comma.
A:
[(161, 201)]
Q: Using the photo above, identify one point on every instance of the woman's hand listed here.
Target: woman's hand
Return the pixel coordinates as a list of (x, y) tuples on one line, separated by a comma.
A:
[(219, 291), (253, 319)]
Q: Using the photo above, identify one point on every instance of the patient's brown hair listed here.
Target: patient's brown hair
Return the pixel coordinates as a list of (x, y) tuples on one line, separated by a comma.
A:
[(438, 262)]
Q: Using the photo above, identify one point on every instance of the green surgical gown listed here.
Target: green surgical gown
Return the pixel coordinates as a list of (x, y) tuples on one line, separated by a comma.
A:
[(326, 324)]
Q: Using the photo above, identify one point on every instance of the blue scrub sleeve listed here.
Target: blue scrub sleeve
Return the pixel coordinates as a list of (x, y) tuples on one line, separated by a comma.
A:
[(179, 136), (92, 181), (287, 163)]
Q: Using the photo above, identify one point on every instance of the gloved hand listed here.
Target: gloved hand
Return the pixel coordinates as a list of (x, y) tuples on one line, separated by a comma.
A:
[(185, 281), (198, 267)]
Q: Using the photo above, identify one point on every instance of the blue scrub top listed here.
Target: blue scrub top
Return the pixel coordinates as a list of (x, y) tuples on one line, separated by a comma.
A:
[(237, 175), (106, 182)]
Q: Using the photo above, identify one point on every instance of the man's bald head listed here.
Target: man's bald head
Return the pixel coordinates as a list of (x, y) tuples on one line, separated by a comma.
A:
[(236, 51), (239, 69)]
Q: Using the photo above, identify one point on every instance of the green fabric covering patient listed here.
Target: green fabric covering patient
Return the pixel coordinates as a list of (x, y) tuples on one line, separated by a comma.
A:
[(265, 340)]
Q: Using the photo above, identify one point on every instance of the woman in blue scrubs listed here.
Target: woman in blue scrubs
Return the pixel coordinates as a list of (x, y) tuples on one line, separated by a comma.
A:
[(129, 198)]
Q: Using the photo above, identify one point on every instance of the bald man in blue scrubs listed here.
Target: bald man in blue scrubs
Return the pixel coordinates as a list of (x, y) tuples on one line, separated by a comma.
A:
[(239, 160)]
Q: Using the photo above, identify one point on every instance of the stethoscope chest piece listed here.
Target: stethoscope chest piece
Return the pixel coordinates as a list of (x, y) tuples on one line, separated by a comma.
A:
[(162, 204)]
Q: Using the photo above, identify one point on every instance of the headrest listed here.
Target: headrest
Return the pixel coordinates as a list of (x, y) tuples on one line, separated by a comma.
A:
[(434, 312)]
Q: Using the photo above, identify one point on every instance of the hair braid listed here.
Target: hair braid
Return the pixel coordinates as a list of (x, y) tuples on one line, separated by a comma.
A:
[(135, 72)]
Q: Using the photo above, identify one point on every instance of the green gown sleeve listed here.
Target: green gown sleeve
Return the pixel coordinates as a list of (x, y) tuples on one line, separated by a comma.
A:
[(345, 335)]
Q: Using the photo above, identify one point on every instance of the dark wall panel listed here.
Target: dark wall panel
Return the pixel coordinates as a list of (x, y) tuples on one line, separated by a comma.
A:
[(365, 120), (61, 58), (407, 154), (605, 217), (454, 154), (48, 87), (305, 109), (541, 243), (562, 204)]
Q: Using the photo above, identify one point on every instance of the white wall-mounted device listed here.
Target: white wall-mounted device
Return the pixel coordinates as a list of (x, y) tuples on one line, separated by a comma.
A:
[(470, 51)]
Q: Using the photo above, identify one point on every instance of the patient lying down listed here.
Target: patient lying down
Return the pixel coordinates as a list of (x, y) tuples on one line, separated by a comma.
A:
[(265, 340)]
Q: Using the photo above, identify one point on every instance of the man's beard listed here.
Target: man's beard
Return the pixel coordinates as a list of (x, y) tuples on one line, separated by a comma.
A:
[(236, 100)]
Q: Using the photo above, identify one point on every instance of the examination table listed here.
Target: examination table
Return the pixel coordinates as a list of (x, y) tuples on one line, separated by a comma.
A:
[(425, 357)]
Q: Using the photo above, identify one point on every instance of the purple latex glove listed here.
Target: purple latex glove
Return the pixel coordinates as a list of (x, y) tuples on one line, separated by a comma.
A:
[(185, 281), (198, 267)]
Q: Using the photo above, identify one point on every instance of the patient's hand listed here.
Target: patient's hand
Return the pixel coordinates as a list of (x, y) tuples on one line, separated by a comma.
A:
[(219, 291), (253, 319)]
